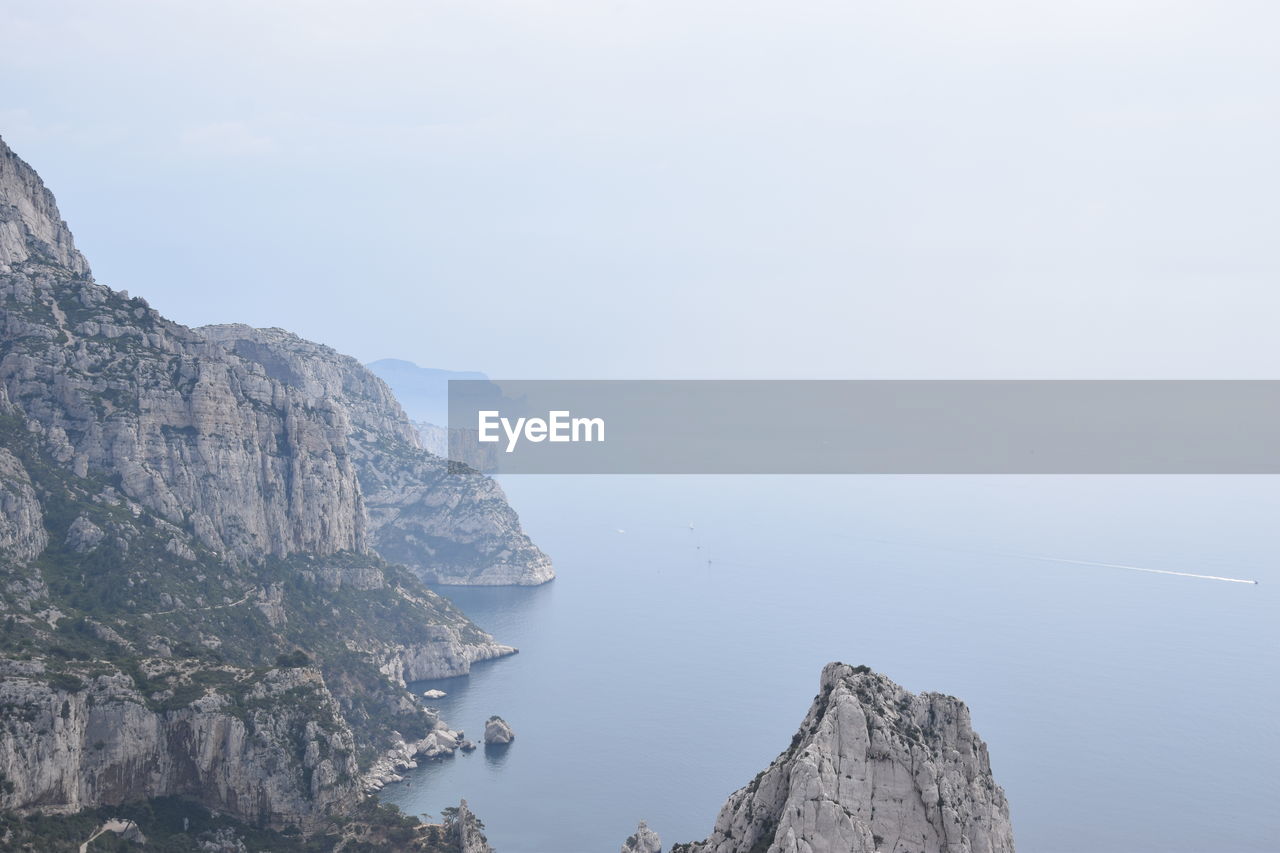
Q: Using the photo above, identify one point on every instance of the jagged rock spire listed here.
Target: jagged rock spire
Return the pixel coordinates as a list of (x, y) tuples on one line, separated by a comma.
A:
[(31, 229), (643, 840), (873, 769)]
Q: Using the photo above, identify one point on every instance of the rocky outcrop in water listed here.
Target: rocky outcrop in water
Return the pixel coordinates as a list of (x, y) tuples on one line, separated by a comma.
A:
[(643, 840), (496, 731), (873, 768)]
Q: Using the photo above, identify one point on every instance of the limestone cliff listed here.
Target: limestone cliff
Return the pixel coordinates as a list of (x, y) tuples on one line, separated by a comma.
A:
[(450, 525), (22, 532), (30, 227), (259, 441), (134, 663), (205, 441), (191, 603), (274, 750), (873, 768)]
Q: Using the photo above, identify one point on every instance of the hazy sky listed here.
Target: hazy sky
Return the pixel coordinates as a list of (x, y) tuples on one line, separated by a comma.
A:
[(692, 189)]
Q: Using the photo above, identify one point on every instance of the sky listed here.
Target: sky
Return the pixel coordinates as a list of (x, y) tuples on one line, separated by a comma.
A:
[(672, 189)]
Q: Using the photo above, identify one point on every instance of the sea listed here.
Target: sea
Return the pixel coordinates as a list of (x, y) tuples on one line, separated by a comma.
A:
[(680, 646)]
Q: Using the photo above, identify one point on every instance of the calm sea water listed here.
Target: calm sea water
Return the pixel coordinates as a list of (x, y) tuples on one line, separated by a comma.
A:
[(1124, 711)]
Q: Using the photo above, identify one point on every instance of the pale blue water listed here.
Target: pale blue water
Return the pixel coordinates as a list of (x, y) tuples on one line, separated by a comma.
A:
[(1124, 711)]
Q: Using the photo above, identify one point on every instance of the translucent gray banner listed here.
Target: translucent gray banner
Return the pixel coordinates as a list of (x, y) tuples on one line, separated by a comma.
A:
[(865, 427)]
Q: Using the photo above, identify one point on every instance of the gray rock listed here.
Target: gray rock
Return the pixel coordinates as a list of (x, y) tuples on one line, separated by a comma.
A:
[(496, 731), (242, 442), (444, 653), (434, 439), (643, 840), (76, 749), (259, 442), (30, 227), (873, 768), (468, 831), (204, 440), (223, 840), (84, 535), (240, 464), (451, 527), (22, 532), (402, 755), (459, 831)]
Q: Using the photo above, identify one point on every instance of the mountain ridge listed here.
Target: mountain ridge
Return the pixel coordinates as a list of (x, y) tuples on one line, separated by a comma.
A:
[(192, 605)]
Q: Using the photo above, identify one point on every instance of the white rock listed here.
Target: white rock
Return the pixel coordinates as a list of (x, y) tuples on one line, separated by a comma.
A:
[(643, 840), (496, 731), (873, 768)]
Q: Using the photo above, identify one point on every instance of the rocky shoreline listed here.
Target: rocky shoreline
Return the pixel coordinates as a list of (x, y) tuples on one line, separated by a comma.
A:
[(403, 755), (445, 659)]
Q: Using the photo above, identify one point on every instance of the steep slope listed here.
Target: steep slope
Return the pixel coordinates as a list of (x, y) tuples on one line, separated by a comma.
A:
[(872, 768), (449, 524), (202, 440), (190, 603), (246, 436)]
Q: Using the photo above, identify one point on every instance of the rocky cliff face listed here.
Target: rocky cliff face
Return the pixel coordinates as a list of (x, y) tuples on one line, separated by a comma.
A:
[(134, 663), (191, 604), (259, 441), (204, 441), (873, 768), (280, 754), (30, 227), (450, 525), (22, 533)]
